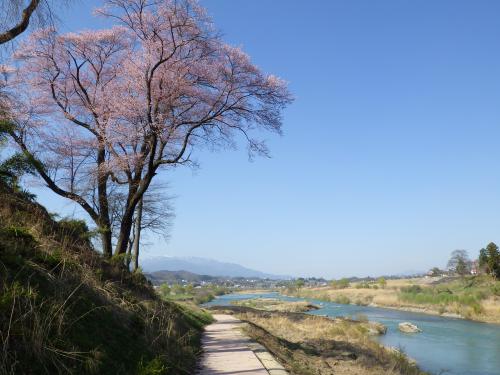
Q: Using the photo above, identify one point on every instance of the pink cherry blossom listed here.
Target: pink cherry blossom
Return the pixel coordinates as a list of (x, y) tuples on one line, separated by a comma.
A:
[(113, 106)]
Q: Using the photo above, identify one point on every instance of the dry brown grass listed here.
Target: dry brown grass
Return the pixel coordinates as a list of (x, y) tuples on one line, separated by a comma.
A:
[(308, 344), (309, 327), (273, 304), (382, 297), (491, 308)]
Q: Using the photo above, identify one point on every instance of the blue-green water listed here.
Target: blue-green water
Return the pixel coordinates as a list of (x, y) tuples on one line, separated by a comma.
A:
[(446, 346)]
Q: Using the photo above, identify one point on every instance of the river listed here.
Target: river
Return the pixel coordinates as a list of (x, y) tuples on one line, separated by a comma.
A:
[(445, 345)]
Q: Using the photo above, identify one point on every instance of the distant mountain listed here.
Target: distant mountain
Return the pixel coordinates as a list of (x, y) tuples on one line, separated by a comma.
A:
[(203, 266)]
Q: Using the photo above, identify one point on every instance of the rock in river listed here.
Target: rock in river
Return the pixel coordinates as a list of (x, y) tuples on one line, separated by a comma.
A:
[(375, 328), (407, 327)]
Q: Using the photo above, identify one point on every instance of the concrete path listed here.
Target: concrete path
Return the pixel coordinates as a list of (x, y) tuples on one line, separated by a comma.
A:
[(228, 352)]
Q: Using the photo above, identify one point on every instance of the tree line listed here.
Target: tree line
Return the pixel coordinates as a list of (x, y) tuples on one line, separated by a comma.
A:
[(488, 262)]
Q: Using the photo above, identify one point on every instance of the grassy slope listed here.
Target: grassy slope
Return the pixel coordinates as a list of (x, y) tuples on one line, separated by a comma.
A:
[(63, 309), (472, 297)]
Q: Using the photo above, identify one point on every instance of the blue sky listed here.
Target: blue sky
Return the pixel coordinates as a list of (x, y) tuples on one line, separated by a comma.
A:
[(390, 157)]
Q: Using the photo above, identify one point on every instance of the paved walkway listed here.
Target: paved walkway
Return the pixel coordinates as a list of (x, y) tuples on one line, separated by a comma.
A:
[(228, 352)]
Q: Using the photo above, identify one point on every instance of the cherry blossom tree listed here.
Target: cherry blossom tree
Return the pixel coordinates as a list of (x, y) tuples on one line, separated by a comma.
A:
[(113, 107)]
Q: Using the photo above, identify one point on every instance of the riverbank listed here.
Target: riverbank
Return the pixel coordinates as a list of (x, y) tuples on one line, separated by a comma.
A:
[(274, 304), (307, 344), (454, 346), (472, 298)]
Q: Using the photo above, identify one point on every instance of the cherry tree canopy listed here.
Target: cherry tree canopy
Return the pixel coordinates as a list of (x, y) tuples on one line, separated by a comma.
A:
[(112, 106)]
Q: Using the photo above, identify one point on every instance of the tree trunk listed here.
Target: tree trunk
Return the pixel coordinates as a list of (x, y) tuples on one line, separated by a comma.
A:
[(107, 247), (102, 195), (125, 229), (133, 200), (128, 258), (137, 234)]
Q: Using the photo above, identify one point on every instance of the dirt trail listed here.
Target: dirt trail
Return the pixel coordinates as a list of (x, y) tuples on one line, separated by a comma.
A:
[(228, 351)]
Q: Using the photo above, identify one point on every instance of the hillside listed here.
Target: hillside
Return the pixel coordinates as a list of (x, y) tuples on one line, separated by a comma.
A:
[(204, 266), (64, 309)]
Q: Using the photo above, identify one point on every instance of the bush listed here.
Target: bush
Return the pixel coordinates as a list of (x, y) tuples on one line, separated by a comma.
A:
[(477, 308), (412, 289), (340, 284), (178, 289), (382, 282), (220, 290), (203, 298), (75, 228), (344, 300), (164, 290), (495, 289), (18, 235), (363, 285)]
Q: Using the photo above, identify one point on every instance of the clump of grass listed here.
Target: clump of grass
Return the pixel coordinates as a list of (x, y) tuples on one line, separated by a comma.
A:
[(363, 285), (412, 289), (340, 284), (361, 317), (344, 300), (495, 289)]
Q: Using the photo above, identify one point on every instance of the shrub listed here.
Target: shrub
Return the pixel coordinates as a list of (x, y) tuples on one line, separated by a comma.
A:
[(178, 289), (344, 300), (220, 290), (203, 298), (382, 282), (340, 284), (75, 228), (412, 289), (156, 366), (18, 235), (495, 289), (164, 290), (138, 277), (363, 285), (477, 308)]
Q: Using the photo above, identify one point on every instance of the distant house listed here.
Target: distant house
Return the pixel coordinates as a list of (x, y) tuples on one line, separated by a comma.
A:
[(474, 267)]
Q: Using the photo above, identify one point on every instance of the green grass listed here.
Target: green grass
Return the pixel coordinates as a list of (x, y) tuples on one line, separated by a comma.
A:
[(180, 297), (198, 296), (465, 292), (439, 298)]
